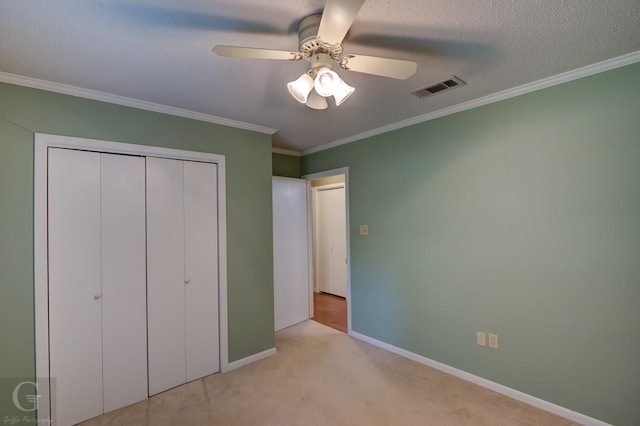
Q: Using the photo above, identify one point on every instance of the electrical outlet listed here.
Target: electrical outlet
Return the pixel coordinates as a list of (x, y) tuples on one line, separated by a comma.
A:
[(481, 338), (493, 341), (364, 230)]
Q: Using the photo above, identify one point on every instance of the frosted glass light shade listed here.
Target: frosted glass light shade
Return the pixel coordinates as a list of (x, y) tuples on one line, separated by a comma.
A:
[(326, 81), (316, 101), (300, 88), (342, 92)]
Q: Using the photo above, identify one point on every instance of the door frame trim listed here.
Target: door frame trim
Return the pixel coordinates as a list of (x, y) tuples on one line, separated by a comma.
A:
[(333, 172), (42, 142)]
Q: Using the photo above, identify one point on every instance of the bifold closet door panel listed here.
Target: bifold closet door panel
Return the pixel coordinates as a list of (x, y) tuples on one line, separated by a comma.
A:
[(201, 269), (124, 293), (165, 274), (75, 343)]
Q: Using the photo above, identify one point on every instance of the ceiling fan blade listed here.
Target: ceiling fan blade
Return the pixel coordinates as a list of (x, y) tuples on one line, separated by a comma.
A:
[(385, 67), (337, 17), (255, 53)]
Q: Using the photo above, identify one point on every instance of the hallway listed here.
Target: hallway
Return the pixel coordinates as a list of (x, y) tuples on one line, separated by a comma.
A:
[(330, 310)]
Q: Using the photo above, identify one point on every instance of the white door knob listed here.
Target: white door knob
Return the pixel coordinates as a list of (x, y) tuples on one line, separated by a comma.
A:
[(97, 296), (187, 281)]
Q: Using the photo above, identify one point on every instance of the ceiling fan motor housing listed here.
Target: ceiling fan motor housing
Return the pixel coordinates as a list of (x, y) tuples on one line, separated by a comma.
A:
[(308, 42)]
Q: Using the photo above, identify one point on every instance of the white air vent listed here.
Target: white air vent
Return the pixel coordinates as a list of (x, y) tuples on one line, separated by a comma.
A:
[(441, 86)]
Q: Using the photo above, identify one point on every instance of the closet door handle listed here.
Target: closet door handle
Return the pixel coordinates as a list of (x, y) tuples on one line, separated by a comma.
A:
[(187, 281), (97, 296)]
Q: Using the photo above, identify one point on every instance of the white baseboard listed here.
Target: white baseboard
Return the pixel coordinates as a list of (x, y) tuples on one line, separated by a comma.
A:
[(496, 387), (251, 359)]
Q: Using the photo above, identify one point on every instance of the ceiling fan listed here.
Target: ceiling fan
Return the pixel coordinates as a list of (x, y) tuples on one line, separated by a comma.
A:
[(320, 39)]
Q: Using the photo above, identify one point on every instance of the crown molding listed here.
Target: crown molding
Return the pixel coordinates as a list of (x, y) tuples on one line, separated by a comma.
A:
[(286, 152), (565, 77), (129, 102)]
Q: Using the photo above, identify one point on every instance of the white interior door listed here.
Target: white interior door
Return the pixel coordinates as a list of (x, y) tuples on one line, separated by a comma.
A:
[(75, 320), (124, 280), (290, 252), (201, 269), (338, 281), (331, 241), (165, 271)]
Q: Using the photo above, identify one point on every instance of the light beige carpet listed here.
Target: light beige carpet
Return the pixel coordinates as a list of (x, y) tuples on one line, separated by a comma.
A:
[(321, 376)]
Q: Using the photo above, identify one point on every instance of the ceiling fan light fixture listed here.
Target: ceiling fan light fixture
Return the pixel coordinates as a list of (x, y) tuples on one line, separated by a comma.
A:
[(342, 92), (326, 82), (301, 87), (316, 101), (320, 41)]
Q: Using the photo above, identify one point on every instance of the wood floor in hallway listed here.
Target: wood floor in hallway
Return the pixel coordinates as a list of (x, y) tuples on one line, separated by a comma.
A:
[(330, 310)]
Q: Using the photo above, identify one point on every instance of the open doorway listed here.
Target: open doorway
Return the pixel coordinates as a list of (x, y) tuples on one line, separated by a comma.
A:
[(329, 210)]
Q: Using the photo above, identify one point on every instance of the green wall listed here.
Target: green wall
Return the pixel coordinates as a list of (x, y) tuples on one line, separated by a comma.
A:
[(24, 111), (520, 218), (286, 165)]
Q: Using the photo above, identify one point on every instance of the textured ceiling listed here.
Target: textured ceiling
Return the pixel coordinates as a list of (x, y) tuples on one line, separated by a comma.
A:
[(160, 52)]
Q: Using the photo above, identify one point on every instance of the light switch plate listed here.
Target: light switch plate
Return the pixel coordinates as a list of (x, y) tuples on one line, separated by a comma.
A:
[(481, 338), (493, 341)]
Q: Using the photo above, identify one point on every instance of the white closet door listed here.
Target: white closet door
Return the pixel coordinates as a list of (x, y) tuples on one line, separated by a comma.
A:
[(124, 293), (338, 243), (323, 225), (75, 343), (290, 252), (332, 241), (165, 272), (201, 269)]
